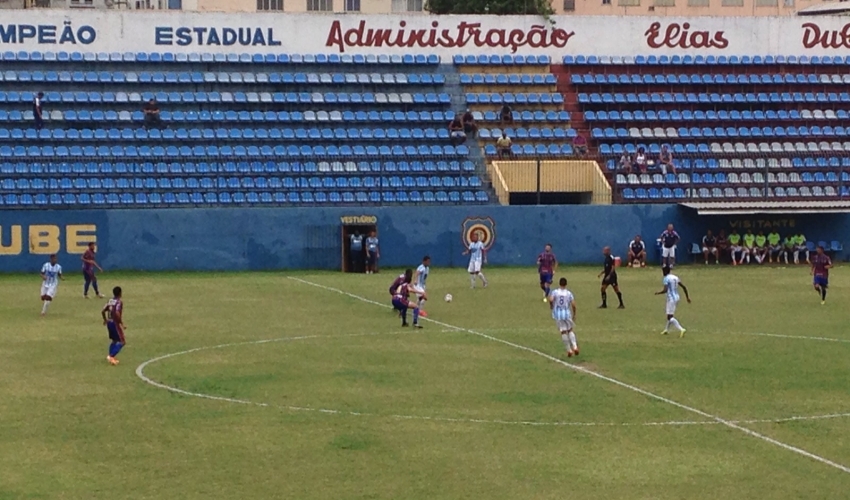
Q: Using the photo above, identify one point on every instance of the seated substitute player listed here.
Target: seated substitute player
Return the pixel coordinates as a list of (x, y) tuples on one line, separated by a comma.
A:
[(709, 247), (547, 264), (402, 302), (736, 251), (761, 247), (669, 238), (419, 278), (477, 257), (609, 278), (563, 306), (749, 245), (113, 317), (774, 246), (637, 251), (800, 247), (722, 244), (788, 247), (821, 264), (51, 274), (671, 288)]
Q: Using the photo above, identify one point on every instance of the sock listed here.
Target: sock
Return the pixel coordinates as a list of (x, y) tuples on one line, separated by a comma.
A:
[(747, 257), (86, 287), (566, 340), (421, 305), (823, 293), (796, 256), (620, 297), (94, 285), (115, 348), (472, 280), (404, 316), (573, 341), (546, 290), (667, 326), (604, 298), (45, 306), (415, 315), (483, 279), (675, 322)]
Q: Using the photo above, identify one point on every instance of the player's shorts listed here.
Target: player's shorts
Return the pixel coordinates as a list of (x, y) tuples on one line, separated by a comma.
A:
[(565, 325), (545, 278), (821, 281), (401, 304), (709, 249), (776, 248), (611, 280), (115, 332), (49, 290), (671, 306), (801, 248), (418, 289), (372, 258), (736, 248), (668, 252), (474, 266)]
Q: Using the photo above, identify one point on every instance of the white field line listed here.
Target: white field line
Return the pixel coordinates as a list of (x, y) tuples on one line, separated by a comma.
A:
[(140, 373), (722, 421)]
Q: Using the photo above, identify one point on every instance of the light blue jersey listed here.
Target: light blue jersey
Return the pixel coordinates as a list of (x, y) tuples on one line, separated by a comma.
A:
[(51, 273), (371, 244), (671, 281), (422, 275), (562, 300), (476, 251)]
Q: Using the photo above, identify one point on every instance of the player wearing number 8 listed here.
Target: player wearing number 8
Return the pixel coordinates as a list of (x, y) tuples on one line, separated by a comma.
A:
[(563, 306)]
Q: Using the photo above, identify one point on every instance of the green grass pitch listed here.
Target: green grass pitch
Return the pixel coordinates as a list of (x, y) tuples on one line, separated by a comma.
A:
[(345, 404)]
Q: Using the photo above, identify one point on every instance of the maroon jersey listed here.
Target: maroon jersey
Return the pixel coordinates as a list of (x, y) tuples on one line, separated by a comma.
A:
[(546, 263), (397, 283), (89, 255), (819, 263)]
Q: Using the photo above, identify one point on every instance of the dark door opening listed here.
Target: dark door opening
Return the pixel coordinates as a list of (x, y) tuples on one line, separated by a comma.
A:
[(354, 246)]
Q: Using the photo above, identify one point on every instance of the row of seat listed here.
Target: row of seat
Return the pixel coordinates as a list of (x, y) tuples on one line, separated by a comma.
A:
[(735, 178), (241, 116), (533, 150), (249, 134), (728, 148), (206, 57), (710, 79), (197, 77), (550, 116), (507, 59), (250, 198), (514, 98), (508, 79), (236, 97), (696, 132), (733, 194), (187, 152), (712, 98), (326, 182), (528, 133), (718, 115), (178, 168), (760, 163), (747, 60)]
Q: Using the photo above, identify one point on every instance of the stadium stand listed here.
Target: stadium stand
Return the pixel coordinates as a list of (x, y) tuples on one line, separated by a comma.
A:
[(247, 129)]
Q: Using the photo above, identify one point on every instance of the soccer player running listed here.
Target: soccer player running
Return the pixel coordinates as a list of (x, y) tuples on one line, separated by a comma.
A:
[(89, 265), (637, 251), (669, 239), (113, 317), (51, 274), (563, 306), (418, 287), (547, 264), (609, 278), (477, 257), (709, 247), (735, 248), (402, 302), (821, 264), (749, 246), (671, 284), (761, 247), (774, 246)]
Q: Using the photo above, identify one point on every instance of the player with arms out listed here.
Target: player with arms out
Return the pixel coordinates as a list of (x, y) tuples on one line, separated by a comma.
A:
[(821, 264), (669, 238), (671, 288), (637, 252), (402, 302), (51, 274), (419, 278), (547, 264), (113, 317), (609, 278), (477, 257), (89, 265), (563, 306)]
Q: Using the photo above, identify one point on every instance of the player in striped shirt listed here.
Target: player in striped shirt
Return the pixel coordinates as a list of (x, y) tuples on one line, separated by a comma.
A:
[(821, 264), (563, 306), (547, 264), (418, 285), (51, 274), (477, 257), (671, 288), (113, 317), (402, 302)]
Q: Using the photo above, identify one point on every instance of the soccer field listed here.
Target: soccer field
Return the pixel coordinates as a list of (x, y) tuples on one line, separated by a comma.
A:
[(304, 386)]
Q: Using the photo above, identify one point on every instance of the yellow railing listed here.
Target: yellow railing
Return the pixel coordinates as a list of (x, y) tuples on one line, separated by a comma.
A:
[(555, 177)]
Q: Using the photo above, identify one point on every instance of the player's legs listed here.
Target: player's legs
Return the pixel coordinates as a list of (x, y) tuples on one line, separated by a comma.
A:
[(87, 276), (604, 292), (631, 258), (616, 287), (47, 294), (705, 254), (116, 337), (642, 258), (546, 285), (821, 284)]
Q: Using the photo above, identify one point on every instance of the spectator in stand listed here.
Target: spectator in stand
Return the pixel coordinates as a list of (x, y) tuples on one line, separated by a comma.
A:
[(774, 246), (709, 247), (503, 146), (506, 116), (626, 163), (761, 247), (722, 244), (469, 126), (800, 247), (749, 245), (640, 160), (637, 252), (735, 248), (456, 133), (665, 160), (151, 111), (580, 145), (37, 111)]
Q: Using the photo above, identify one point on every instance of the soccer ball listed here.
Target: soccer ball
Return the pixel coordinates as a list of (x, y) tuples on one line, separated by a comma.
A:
[(448, 297)]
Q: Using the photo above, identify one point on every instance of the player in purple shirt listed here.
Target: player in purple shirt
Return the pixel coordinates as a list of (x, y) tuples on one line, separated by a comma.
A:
[(547, 264), (821, 264), (669, 238), (89, 265), (402, 279)]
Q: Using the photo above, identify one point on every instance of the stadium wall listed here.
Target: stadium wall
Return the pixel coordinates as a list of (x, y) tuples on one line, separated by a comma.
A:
[(253, 239)]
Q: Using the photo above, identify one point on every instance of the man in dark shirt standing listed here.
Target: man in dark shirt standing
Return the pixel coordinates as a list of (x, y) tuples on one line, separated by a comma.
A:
[(609, 278), (37, 111), (669, 238), (356, 252)]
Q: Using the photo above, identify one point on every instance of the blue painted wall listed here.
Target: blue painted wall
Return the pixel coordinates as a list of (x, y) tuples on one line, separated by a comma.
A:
[(294, 238)]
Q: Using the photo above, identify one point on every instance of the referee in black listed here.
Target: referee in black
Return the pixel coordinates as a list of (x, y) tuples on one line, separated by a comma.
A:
[(609, 278)]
